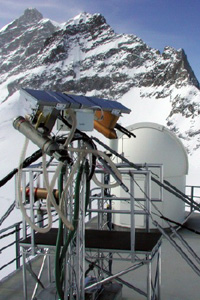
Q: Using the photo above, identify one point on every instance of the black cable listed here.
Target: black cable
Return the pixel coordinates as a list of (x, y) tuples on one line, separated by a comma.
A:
[(125, 131), (7, 213), (166, 188), (29, 160), (179, 224), (89, 141), (91, 267), (7, 234), (8, 177), (169, 188), (167, 219), (10, 262), (79, 135)]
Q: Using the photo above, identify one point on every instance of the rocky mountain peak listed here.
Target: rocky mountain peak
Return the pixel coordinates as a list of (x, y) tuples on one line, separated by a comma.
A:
[(87, 57), (87, 18), (21, 40), (78, 32), (85, 22), (31, 15), (181, 65), (93, 58)]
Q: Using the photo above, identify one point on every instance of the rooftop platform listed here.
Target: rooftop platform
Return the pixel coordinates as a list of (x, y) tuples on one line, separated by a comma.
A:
[(179, 281), (103, 239)]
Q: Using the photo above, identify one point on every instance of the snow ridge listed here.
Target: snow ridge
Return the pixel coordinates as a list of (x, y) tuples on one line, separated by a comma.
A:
[(85, 56)]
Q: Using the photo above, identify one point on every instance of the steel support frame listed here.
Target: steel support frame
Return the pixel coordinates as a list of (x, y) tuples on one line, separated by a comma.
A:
[(153, 281), (30, 178), (80, 245), (76, 261), (26, 252), (152, 289)]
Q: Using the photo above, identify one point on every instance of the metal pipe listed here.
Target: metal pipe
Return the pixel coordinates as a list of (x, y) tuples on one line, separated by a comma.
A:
[(149, 277), (32, 215), (43, 142), (39, 275), (123, 199), (190, 250), (137, 212), (129, 285), (17, 247), (159, 274), (175, 245), (24, 275), (40, 193), (132, 220), (115, 275)]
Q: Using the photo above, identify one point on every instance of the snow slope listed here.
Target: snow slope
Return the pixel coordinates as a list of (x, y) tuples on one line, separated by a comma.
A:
[(85, 56)]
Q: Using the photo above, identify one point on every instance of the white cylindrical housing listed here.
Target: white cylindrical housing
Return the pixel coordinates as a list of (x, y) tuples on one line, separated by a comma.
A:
[(155, 144)]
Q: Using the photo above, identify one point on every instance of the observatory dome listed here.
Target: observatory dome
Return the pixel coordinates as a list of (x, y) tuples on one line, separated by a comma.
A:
[(155, 144)]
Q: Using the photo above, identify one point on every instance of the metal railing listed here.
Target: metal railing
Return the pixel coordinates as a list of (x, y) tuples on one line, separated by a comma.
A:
[(15, 233), (193, 191)]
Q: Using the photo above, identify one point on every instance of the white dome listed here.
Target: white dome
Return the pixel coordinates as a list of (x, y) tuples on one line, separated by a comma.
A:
[(155, 144)]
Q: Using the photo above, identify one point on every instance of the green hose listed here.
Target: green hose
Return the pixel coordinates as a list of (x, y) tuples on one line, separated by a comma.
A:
[(59, 241), (87, 188), (76, 204), (60, 254), (76, 213)]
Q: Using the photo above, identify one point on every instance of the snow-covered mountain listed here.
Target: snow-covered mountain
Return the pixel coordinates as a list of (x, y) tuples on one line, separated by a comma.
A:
[(85, 56)]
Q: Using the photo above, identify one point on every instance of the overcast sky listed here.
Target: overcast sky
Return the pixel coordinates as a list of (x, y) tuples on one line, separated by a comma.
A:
[(159, 23)]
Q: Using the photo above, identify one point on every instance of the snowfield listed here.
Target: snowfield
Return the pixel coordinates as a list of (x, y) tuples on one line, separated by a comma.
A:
[(87, 57)]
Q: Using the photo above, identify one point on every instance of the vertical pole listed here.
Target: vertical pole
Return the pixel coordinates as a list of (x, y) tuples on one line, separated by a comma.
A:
[(161, 180), (109, 216), (159, 274), (132, 218), (90, 213), (24, 199), (100, 226), (149, 279), (80, 243), (148, 197), (101, 206), (17, 247), (49, 267), (192, 198), (32, 211), (24, 274), (70, 256), (24, 236)]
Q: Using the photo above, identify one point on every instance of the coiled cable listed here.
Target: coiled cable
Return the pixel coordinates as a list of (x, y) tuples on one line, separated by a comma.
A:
[(19, 192)]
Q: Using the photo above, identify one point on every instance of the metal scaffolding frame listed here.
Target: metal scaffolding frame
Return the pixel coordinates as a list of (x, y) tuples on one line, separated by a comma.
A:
[(79, 251), (136, 257)]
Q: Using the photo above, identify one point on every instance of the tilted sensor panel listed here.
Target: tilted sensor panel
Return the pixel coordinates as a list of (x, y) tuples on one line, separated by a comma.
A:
[(62, 101)]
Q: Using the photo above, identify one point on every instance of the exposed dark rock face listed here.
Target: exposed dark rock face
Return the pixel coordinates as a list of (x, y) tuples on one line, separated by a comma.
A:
[(89, 57), (21, 40), (85, 56)]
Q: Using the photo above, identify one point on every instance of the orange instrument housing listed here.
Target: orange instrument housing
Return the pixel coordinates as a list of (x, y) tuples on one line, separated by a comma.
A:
[(106, 124)]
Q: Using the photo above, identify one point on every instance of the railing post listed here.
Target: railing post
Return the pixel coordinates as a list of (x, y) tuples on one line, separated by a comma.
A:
[(17, 247), (192, 198)]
